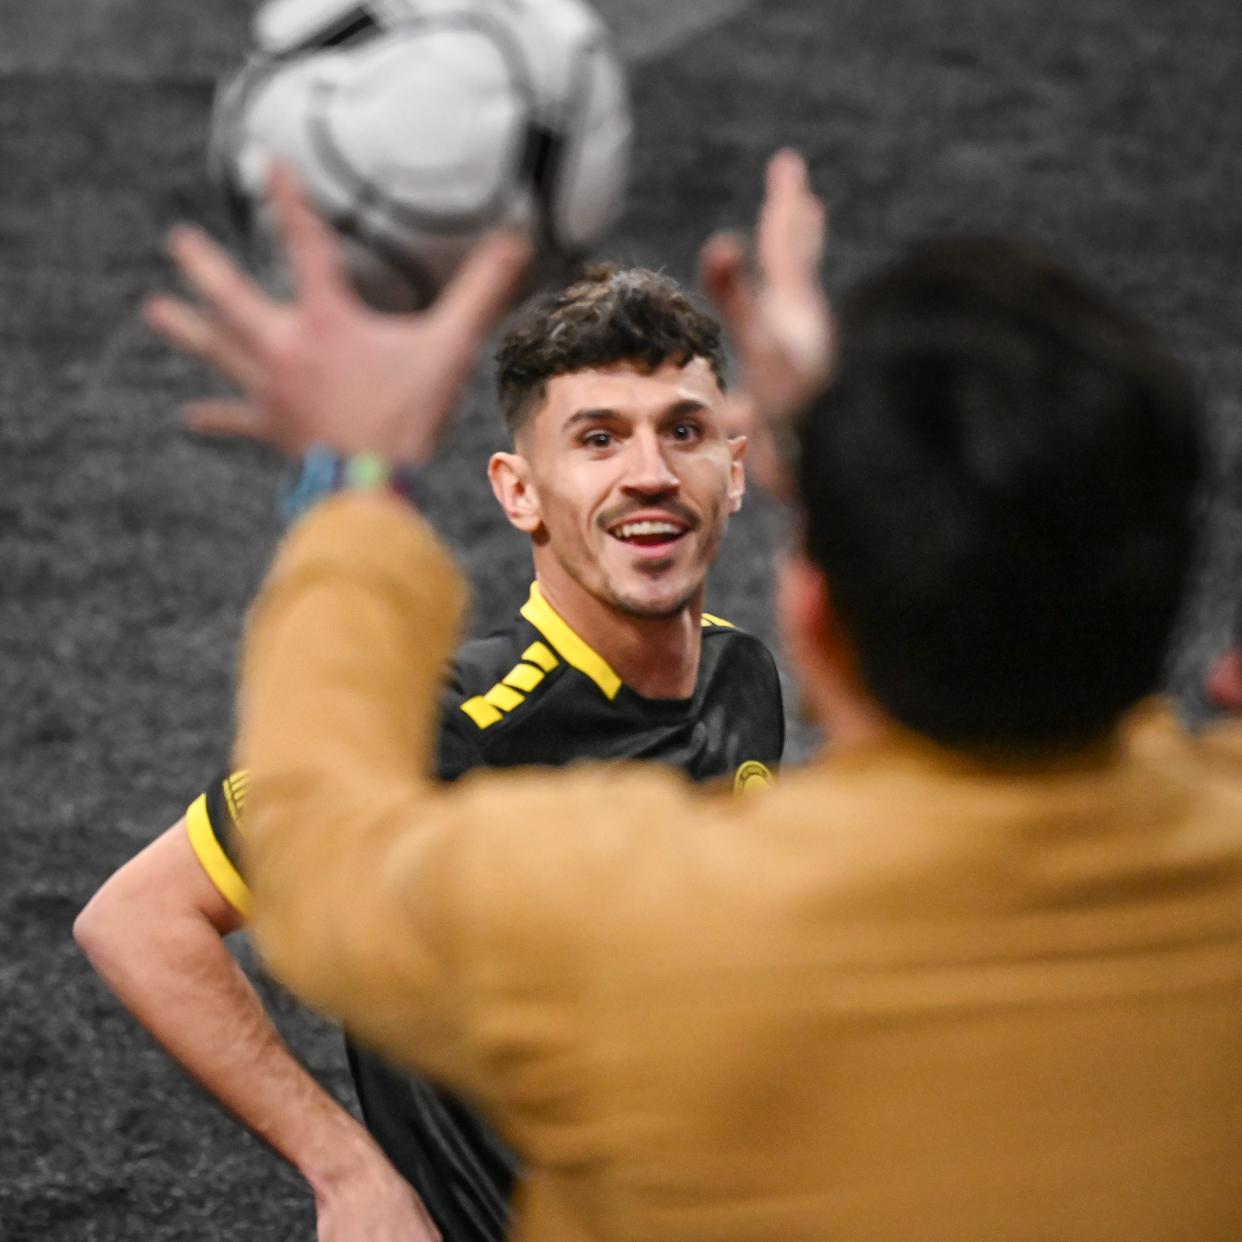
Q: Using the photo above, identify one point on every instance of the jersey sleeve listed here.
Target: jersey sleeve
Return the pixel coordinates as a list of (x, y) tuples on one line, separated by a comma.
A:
[(214, 820), (214, 826)]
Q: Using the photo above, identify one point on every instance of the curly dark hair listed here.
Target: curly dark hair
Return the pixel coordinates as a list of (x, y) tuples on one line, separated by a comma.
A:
[(609, 314)]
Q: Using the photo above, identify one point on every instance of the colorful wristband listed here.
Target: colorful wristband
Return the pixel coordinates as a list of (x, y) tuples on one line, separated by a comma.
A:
[(325, 471)]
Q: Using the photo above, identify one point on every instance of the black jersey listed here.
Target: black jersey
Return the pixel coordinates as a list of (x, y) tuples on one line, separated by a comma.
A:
[(534, 694)]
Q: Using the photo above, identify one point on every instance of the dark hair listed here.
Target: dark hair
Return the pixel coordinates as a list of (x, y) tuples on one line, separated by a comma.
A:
[(610, 314), (1000, 487)]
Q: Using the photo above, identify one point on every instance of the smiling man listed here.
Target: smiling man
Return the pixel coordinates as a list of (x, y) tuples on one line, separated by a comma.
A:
[(623, 475)]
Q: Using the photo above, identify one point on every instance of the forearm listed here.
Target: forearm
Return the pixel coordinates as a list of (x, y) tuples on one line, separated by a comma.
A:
[(174, 973)]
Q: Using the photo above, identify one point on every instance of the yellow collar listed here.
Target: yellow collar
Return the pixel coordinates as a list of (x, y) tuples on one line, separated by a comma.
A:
[(573, 649)]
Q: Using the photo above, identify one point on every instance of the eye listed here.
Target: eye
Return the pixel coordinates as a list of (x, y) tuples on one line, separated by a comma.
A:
[(687, 432), (597, 439)]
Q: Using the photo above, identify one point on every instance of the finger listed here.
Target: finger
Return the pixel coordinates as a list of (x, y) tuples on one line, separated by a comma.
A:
[(233, 297), (194, 333), (723, 274), (786, 171), (227, 418), (792, 224), (310, 247), (483, 288)]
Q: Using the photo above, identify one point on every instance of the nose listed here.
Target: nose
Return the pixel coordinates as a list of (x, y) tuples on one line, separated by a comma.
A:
[(648, 472)]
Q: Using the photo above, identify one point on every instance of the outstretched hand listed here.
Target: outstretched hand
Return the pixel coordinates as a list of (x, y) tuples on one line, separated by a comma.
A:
[(324, 368), (777, 316)]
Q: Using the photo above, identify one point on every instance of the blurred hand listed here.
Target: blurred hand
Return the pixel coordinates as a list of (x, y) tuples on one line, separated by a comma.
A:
[(778, 317), (324, 368)]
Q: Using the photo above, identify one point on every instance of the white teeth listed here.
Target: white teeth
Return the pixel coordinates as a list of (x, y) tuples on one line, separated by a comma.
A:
[(633, 530)]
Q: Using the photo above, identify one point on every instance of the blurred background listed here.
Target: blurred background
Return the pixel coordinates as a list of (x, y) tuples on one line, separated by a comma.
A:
[(1107, 130)]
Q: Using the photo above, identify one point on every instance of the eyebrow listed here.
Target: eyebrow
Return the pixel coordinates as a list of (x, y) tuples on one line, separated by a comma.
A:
[(687, 405)]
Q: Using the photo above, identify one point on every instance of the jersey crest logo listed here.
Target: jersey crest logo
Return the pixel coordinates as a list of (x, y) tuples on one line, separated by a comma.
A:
[(752, 777)]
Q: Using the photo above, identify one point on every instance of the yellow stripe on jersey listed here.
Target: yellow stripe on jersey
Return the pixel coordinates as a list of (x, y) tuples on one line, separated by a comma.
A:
[(575, 651), (503, 697), (537, 653), (219, 868), (482, 713), (710, 618), (524, 677), (235, 795), (486, 709)]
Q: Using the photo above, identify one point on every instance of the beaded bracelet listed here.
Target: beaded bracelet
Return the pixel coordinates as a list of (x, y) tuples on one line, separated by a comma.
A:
[(325, 471)]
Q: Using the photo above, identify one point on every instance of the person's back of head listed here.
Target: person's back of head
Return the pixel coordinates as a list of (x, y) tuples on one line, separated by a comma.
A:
[(1000, 487)]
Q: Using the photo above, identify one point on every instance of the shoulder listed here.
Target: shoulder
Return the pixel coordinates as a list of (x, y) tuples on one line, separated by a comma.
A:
[(1154, 729), (495, 683), (1221, 744), (731, 652), (723, 637), (493, 676), (741, 693)]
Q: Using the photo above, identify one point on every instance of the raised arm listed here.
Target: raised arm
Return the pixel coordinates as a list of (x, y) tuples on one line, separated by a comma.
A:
[(155, 933), (775, 310)]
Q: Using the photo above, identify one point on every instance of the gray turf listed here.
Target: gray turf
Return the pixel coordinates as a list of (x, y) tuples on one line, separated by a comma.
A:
[(1107, 129)]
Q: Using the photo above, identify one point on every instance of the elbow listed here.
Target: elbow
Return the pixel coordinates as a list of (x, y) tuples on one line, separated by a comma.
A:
[(116, 929), (96, 928), (89, 926)]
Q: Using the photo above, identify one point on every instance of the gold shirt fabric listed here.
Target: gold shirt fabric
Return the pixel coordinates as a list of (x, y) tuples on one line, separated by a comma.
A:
[(900, 997)]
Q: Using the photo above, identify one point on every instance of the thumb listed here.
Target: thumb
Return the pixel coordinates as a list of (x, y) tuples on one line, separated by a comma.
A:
[(723, 275), (484, 286), (225, 418)]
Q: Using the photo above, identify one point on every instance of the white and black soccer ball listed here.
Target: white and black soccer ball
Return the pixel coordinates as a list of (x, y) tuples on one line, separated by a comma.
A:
[(417, 125)]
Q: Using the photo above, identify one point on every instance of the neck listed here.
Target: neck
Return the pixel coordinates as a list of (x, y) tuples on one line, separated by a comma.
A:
[(850, 724), (657, 657)]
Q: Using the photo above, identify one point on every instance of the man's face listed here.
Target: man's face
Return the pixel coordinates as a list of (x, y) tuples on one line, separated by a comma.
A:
[(632, 479)]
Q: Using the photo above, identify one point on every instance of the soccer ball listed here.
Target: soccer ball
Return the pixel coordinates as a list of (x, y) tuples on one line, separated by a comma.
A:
[(416, 125)]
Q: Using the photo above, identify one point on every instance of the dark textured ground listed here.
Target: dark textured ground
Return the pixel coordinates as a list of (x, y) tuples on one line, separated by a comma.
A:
[(1109, 129)]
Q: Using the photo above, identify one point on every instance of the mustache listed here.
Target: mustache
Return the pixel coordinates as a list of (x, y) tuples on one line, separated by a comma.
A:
[(674, 508)]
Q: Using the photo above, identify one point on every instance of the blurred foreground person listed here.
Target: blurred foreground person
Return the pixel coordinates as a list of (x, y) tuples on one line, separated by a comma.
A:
[(624, 475), (975, 974)]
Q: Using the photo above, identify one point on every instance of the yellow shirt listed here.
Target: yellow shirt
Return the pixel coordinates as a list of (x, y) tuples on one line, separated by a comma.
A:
[(900, 997)]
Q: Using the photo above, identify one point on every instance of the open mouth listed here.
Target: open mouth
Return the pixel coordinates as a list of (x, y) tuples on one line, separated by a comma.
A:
[(649, 532)]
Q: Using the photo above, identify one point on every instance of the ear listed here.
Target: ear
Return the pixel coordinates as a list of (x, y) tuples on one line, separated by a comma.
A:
[(806, 620), (737, 471), (811, 628), (513, 486), (833, 692)]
